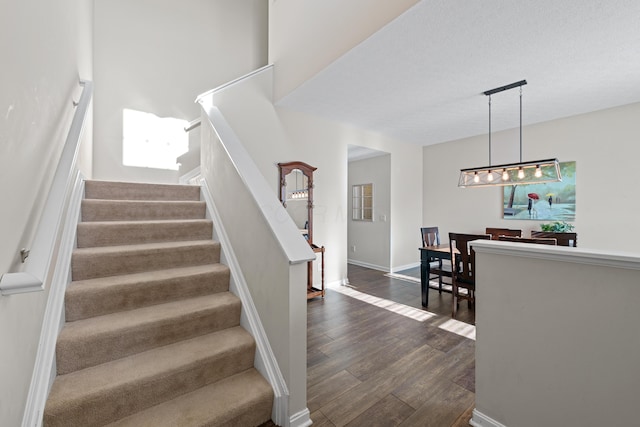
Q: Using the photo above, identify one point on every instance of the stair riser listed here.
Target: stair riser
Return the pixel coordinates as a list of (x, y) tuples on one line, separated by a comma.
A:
[(142, 393), (94, 234), (92, 265), (107, 210), (82, 304), (73, 354), (138, 191)]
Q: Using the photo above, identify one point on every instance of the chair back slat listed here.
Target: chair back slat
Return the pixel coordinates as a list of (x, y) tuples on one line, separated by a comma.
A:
[(463, 268), (563, 239), (497, 232), (430, 236), (536, 240)]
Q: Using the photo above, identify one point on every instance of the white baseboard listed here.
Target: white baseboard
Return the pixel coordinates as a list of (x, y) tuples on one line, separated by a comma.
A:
[(190, 177), (481, 420), (301, 419), (367, 265), (405, 267), (44, 370), (265, 360), (337, 284)]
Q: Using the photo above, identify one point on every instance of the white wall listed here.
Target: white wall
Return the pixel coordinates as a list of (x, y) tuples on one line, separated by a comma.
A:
[(46, 49), (372, 239), (557, 340), (306, 36), (607, 206), (157, 56)]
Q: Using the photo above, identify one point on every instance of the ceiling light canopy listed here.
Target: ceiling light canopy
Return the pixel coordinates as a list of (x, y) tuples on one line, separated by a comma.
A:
[(533, 172)]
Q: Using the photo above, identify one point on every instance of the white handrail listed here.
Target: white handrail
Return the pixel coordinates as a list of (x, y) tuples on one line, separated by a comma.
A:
[(287, 234), (231, 83), (42, 252), (192, 125)]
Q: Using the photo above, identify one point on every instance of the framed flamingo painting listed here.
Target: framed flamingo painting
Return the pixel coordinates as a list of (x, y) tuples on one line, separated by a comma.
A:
[(554, 201)]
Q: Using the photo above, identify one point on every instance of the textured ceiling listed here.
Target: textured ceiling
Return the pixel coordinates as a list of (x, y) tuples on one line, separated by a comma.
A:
[(420, 78)]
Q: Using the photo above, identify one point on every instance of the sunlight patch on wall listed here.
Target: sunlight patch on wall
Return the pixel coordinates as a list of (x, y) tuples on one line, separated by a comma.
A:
[(149, 141)]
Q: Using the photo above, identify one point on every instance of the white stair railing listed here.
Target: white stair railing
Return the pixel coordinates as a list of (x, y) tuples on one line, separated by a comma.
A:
[(43, 251)]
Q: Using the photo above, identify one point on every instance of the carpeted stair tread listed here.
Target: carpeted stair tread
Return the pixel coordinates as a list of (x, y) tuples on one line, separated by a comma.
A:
[(113, 390), (96, 340), (152, 334), (140, 191), (90, 263), (140, 210), (244, 399), (104, 295), (115, 233)]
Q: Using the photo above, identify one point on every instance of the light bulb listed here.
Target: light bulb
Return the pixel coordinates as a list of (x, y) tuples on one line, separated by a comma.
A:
[(476, 178), (490, 177), (538, 171), (520, 172), (505, 175)]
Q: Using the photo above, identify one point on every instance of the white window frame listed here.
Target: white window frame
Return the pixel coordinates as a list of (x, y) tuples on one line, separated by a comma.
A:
[(362, 202)]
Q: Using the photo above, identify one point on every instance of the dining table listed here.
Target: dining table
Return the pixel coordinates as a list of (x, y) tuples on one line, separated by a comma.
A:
[(427, 255)]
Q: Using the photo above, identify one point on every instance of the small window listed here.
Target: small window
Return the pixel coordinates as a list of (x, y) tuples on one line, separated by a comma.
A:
[(149, 141), (362, 199)]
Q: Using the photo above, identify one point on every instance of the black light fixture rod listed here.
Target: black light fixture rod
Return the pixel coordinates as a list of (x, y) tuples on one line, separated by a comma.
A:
[(520, 124), (489, 130), (507, 87)]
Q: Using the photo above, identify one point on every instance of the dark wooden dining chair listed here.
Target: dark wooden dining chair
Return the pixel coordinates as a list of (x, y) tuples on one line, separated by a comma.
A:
[(563, 239), (497, 232), (463, 267), (537, 240), (431, 237)]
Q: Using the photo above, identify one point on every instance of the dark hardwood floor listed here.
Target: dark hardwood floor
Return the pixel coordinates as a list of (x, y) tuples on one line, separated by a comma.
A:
[(372, 363)]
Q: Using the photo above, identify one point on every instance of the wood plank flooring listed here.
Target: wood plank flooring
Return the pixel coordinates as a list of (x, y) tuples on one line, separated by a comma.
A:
[(369, 366)]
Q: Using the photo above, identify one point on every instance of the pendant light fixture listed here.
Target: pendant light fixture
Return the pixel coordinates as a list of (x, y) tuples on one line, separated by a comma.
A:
[(533, 172)]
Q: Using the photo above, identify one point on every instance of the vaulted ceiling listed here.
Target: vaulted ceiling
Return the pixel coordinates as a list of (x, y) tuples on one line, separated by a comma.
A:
[(420, 78)]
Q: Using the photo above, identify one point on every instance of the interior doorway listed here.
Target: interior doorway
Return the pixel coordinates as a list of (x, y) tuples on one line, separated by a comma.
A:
[(368, 208)]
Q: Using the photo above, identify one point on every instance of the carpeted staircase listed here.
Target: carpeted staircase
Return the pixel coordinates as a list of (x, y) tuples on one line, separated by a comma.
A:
[(152, 334)]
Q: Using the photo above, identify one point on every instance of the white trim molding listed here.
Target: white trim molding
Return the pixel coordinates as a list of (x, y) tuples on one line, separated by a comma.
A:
[(481, 420), (190, 177), (368, 265), (301, 419), (617, 259), (405, 267), (44, 371), (19, 283)]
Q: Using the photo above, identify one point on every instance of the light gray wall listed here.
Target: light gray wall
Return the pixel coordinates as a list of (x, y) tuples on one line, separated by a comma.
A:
[(46, 49), (157, 56), (557, 340), (604, 145), (372, 239)]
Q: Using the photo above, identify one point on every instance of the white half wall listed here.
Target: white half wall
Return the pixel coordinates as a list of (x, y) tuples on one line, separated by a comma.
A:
[(604, 145), (557, 336), (371, 239), (157, 57)]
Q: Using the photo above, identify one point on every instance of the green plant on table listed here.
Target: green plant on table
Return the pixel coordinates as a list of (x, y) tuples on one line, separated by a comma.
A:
[(557, 227)]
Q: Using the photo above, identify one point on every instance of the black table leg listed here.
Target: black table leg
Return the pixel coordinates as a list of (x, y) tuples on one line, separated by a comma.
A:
[(424, 278)]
